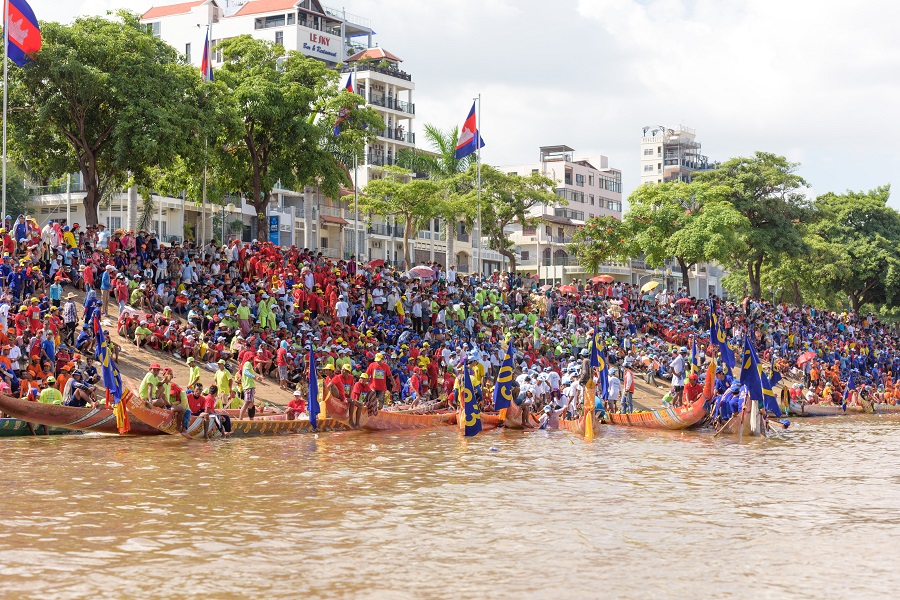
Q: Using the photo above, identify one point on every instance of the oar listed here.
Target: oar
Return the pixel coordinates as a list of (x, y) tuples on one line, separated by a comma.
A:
[(724, 426)]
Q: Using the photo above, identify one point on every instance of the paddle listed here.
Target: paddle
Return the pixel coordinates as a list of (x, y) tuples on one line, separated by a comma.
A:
[(724, 426)]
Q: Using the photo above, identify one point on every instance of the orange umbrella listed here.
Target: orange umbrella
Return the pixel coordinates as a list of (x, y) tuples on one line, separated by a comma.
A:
[(602, 279), (568, 289)]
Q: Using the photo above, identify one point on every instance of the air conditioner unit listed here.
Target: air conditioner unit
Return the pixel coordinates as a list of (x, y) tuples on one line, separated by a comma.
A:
[(284, 227), (532, 239), (400, 246), (376, 244)]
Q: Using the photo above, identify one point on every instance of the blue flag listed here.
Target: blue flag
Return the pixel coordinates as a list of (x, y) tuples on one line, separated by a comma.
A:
[(470, 410), (312, 399), (112, 379), (851, 385), (717, 336), (695, 357), (503, 388), (604, 375), (750, 371), (770, 402)]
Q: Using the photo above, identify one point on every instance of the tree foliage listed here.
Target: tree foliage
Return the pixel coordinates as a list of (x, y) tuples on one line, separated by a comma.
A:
[(288, 105), (601, 239), (106, 98)]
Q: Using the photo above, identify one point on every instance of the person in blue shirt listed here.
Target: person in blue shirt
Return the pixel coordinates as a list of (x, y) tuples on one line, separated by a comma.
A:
[(85, 340), (56, 293), (48, 350), (106, 287)]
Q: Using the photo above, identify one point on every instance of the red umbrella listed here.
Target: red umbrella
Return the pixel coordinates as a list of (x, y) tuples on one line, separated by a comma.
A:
[(544, 288), (683, 301), (534, 276), (805, 358), (602, 279), (375, 263), (568, 289)]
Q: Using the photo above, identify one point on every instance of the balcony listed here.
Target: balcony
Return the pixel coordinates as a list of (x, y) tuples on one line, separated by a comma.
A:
[(394, 231), (392, 103), (380, 160), (389, 70), (462, 237), (558, 239), (399, 135), (559, 261)]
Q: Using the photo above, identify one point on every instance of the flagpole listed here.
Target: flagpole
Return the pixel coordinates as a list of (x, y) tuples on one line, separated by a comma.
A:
[(207, 47), (5, 96), (478, 263), (355, 184)]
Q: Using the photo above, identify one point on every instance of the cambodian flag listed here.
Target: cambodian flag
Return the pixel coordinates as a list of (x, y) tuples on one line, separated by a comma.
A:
[(344, 113), (470, 138), (206, 63), (24, 32)]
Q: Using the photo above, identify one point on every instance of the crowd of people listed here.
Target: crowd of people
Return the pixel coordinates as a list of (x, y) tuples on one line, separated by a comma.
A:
[(240, 313)]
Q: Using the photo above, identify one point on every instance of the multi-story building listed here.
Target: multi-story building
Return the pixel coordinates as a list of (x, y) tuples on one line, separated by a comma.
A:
[(675, 154), (590, 188), (671, 154)]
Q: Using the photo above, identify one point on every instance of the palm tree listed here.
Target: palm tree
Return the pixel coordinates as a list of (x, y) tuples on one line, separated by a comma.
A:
[(440, 164)]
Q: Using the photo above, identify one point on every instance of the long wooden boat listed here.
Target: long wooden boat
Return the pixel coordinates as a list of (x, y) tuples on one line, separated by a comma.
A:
[(488, 420), (665, 418), (164, 420), (801, 409), (101, 420), (514, 418), (388, 421), (423, 408), (577, 426), (749, 423), (18, 427)]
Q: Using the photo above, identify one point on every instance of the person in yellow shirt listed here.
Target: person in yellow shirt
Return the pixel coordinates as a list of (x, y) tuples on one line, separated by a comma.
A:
[(223, 383), (50, 395), (193, 374)]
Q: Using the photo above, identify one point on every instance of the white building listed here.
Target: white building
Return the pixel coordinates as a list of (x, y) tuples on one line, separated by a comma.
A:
[(591, 188)]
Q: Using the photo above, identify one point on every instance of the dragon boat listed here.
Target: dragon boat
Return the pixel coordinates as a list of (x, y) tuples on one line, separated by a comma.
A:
[(664, 418), (100, 420), (18, 427), (577, 426), (164, 421), (385, 420)]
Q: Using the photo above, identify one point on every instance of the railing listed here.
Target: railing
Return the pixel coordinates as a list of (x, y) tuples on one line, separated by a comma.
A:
[(348, 17), (386, 230), (399, 135), (330, 211), (560, 239), (392, 72), (392, 103), (380, 160), (557, 261)]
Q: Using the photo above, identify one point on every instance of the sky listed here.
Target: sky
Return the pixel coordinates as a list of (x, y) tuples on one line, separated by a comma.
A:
[(817, 81)]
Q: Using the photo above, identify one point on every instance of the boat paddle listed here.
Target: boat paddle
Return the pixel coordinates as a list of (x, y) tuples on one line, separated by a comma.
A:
[(721, 429)]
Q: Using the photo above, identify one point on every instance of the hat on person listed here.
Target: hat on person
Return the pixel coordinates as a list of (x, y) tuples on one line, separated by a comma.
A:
[(51, 379), (364, 376), (692, 376), (221, 361), (328, 367), (346, 368), (379, 356), (154, 366), (298, 393), (190, 359), (69, 296)]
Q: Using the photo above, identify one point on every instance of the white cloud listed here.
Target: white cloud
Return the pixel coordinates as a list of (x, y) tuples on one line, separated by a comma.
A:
[(815, 80)]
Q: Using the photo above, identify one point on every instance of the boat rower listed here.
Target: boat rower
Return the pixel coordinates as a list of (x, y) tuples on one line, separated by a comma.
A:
[(296, 407), (359, 398)]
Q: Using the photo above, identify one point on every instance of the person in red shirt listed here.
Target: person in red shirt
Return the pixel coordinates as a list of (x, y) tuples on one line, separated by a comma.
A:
[(207, 407), (34, 315), (281, 361), (296, 407), (692, 390), (359, 397), (378, 373)]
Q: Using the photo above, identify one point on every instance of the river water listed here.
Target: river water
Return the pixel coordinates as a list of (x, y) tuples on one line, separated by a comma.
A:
[(812, 513)]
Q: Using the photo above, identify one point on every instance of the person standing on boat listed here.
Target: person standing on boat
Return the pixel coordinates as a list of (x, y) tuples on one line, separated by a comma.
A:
[(628, 391), (359, 397), (248, 383), (223, 384), (378, 373), (677, 367)]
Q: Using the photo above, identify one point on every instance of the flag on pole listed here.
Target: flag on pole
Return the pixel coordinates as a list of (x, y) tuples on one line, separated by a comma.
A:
[(112, 379), (470, 138), (470, 409), (312, 398), (598, 361), (717, 336), (24, 33), (695, 357), (851, 385), (756, 381), (344, 113), (503, 388), (206, 64)]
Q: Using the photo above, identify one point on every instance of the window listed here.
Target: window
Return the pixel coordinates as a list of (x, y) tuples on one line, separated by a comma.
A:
[(290, 18), (160, 229), (279, 38), (591, 179), (535, 171), (529, 231), (154, 28), (579, 180), (548, 230), (217, 51), (659, 150), (267, 22), (560, 232), (591, 196), (187, 52), (648, 151), (113, 223), (524, 255), (648, 168), (323, 242), (512, 173)]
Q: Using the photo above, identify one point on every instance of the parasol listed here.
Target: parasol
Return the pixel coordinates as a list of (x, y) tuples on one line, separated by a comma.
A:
[(683, 301), (544, 288), (422, 272), (602, 279), (375, 263), (568, 289), (805, 358), (649, 286)]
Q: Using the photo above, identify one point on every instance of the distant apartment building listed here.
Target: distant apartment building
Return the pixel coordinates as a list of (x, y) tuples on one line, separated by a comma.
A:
[(671, 154), (588, 187)]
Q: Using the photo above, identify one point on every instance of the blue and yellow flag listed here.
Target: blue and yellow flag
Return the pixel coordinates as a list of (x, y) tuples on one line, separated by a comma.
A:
[(312, 399), (717, 336), (504, 386), (769, 399), (695, 357), (851, 385), (751, 373), (470, 409), (112, 379), (604, 375)]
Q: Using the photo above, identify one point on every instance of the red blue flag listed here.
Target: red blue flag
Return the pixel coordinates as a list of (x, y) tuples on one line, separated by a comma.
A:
[(206, 63), (345, 112), (24, 32), (470, 138)]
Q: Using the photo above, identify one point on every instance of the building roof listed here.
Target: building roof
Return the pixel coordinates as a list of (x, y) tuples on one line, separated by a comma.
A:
[(337, 220), (168, 10), (265, 6), (376, 53), (557, 220)]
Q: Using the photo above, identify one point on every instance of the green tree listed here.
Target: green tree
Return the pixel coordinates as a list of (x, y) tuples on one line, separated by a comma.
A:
[(106, 98), (766, 190), (397, 194), (441, 165), (18, 197), (861, 235), (688, 221), (506, 200), (288, 104), (601, 239)]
